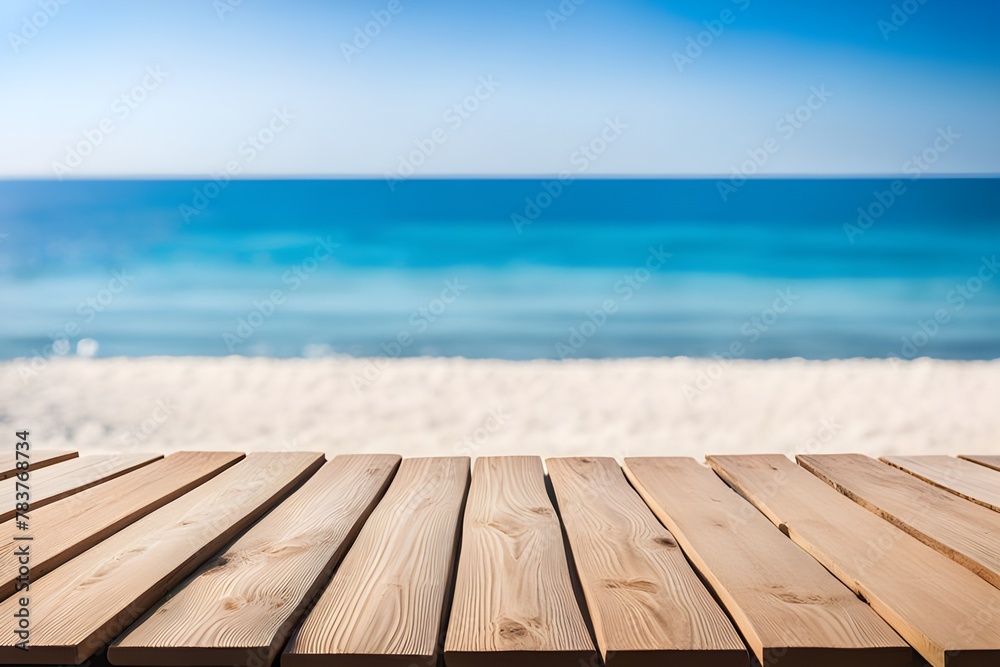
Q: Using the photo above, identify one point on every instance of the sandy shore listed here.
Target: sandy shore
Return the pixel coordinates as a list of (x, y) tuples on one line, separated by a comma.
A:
[(430, 406)]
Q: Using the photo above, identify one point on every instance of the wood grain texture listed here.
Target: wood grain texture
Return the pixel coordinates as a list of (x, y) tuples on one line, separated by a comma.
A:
[(70, 526), (990, 461), (948, 614), (82, 605), (385, 603), (963, 531), (241, 606), (514, 602), (39, 459), (647, 605), (963, 478), (57, 482), (791, 611)]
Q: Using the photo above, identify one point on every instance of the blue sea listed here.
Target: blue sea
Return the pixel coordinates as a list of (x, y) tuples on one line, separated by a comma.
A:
[(513, 269)]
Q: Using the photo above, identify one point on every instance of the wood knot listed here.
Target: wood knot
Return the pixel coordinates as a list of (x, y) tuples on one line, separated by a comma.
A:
[(541, 511), (637, 585), (512, 630), (217, 564), (232, 604), (511, 530), (796, 598), (667, 542)]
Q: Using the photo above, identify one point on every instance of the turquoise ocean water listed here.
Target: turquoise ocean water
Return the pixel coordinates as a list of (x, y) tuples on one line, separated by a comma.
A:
[(516, 269)]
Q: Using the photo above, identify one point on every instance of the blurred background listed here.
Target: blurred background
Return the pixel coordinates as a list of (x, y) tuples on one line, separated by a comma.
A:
[(526, 180)]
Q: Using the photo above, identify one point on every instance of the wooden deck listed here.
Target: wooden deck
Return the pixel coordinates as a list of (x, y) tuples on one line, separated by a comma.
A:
[(221, 558)]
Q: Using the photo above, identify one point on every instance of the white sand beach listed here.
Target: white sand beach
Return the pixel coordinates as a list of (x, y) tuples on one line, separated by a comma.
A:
[(435, 406)]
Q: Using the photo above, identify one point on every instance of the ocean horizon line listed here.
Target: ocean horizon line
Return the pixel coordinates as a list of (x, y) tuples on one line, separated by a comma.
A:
[(505, 177)]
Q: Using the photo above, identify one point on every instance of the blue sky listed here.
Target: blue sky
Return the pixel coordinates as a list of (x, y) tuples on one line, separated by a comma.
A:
[(193, 87)]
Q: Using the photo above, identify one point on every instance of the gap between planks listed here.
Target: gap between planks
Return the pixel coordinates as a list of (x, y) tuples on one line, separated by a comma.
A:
[(790, 610), (87, 602), (38, 459), (934, 603), (73, 476), (965, 479), (514, 601), (70, 526), (386, 602), (987, 460), (965, 532), (240, 607), (647, 605)]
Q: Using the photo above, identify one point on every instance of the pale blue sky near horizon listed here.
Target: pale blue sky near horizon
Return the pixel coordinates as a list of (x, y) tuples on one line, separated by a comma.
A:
[(893, 81)]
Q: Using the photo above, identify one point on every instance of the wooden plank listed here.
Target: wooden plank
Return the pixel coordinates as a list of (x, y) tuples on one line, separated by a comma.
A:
[(647, 605), (948, 614), (57, 482), (963, 478), (241, 606), (963, 531), (82, 605), (38, 459), (385, 604), (72, 525), (990, 461), (791, 611), (514, 601)]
